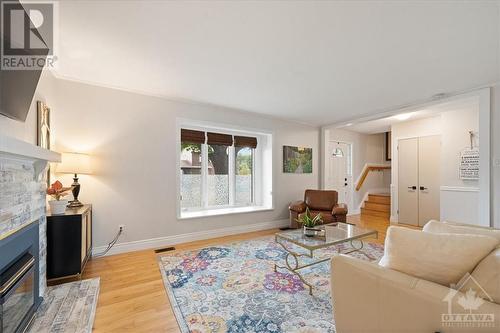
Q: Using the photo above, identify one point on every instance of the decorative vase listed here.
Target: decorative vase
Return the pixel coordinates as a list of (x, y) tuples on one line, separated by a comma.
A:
[(58, 207), (309, 232)]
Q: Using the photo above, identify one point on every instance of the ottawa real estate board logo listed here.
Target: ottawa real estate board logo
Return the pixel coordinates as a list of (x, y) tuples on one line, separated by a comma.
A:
[(467, 306), (28, 34)]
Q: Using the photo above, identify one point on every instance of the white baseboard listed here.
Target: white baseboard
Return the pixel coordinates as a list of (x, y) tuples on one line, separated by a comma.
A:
[(354, 212), (189, 237)]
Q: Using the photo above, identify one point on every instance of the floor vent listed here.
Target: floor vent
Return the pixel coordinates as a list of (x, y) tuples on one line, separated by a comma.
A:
[(165, 249), (285, 228)]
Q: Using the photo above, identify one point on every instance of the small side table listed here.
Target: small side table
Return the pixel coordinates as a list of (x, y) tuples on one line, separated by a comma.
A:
[(69, 243)]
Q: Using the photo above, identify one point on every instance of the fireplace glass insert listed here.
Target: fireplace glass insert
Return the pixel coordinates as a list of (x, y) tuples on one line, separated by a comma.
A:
[(17, 295)]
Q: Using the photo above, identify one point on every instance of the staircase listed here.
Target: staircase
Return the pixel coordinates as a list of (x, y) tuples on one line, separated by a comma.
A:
[(377, 205)]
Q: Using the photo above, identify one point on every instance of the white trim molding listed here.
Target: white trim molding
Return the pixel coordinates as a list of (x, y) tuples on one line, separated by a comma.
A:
[(459, 189), (153, 243)]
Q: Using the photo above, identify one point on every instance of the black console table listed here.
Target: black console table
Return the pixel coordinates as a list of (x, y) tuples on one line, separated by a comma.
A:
[(69, 242)]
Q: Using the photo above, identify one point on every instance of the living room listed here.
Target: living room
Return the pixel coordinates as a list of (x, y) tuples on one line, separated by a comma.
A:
[(165, 173)]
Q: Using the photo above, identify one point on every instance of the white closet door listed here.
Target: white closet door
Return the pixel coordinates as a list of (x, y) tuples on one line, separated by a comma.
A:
[(429, 164), (408, 181)]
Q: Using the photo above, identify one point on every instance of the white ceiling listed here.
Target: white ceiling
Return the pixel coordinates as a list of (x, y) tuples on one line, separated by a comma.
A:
[(383, 124), (314, 62)]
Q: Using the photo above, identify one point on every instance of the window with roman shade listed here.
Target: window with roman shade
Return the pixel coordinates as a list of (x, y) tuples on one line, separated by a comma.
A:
[(217, 170)]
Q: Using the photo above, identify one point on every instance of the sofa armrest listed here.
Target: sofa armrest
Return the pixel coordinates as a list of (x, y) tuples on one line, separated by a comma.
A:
[(369, 298), (298, 206), (339, 209)]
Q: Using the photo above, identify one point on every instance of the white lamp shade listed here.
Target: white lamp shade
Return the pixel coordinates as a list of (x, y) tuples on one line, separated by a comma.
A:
[(74, 163)]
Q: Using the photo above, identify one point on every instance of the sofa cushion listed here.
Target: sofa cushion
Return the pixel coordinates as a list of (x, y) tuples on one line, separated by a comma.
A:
[(487, 276), (440, 258), (450, 228)]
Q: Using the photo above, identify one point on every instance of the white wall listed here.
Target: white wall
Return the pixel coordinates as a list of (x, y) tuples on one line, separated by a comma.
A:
[(26, 131), (455, 191), (366, 149), (495, 149), (132, 139)]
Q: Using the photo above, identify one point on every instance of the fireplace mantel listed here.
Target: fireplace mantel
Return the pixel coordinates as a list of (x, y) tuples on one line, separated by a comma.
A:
[(21, 149)]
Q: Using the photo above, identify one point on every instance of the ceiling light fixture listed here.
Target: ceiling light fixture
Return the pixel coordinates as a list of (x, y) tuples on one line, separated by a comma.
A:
[(338, 152), (402, 116)]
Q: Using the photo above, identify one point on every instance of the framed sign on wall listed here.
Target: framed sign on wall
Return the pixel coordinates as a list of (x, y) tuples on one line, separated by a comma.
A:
[(469, 164)]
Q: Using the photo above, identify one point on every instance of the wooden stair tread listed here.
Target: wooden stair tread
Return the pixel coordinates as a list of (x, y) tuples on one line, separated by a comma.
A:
[(378, 206), (371, 212), (379, 198)]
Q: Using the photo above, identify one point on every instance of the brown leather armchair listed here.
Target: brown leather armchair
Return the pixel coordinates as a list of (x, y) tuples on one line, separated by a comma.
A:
[(319, 201)]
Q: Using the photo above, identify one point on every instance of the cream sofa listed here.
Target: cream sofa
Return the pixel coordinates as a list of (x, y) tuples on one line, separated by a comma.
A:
[(370, 298)]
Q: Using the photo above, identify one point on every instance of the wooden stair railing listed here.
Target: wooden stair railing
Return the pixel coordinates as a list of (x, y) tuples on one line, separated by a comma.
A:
[(366, 169)]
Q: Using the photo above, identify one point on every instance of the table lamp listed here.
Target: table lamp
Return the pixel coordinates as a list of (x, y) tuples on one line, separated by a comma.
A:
[(75, 163)]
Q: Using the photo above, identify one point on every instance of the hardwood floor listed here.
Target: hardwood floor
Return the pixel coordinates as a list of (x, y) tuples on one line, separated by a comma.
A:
[(132, 296)]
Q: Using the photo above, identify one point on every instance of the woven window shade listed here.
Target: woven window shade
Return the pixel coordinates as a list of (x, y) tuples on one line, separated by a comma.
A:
[(219, 139), (192, 136), (245, 141)]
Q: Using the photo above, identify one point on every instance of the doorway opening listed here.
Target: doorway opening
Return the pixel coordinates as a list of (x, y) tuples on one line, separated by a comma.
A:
[(448, 159)]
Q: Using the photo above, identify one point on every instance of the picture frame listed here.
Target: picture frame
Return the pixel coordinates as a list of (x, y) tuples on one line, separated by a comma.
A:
[(388, 146), (43, 130), (297, 160)]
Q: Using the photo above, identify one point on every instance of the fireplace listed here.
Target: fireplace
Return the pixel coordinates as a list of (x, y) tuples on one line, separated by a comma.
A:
[(19, 279)]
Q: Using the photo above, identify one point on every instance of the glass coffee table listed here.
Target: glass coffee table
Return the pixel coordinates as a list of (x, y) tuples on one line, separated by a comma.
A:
[(337, 234)]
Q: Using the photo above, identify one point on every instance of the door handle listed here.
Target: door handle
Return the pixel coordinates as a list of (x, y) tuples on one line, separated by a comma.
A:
[(412, 187), (423, 188)]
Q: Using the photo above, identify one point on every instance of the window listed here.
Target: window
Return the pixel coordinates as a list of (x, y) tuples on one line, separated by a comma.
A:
[(244, 175), (218, 175), (222, 171)]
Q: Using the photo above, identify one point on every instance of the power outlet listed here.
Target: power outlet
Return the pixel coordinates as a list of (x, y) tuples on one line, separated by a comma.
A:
[(121, 227)]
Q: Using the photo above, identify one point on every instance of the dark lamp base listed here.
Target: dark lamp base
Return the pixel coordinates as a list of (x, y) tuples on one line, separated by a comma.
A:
[(74, 204)]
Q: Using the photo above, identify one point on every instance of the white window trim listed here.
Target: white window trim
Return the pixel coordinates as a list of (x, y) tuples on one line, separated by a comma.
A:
[(257, 184)]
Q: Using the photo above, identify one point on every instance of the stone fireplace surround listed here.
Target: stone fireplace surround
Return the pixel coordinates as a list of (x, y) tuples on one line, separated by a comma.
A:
[(22, 193)]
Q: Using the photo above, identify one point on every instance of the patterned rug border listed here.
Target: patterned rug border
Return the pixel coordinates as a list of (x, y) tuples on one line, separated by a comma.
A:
[(176, 309), (94, 307), (179, 317)]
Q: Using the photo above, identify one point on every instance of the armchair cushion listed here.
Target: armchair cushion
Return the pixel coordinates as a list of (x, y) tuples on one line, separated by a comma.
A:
[(320, 199), (326, 217), (298, 206), (440, 258), (339, 209)]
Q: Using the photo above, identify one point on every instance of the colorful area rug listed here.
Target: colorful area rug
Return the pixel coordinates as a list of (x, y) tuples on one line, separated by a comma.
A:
[(233, 288), (68, 308)]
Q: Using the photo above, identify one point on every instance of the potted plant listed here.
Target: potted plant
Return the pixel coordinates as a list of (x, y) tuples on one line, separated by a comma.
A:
[(57, 192), (309, 222)]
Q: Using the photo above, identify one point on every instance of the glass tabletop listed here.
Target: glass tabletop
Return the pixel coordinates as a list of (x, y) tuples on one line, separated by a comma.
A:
[(339, 233)]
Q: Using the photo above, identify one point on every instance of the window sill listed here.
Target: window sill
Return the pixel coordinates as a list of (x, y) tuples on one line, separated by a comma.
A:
[(223, 211)]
